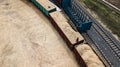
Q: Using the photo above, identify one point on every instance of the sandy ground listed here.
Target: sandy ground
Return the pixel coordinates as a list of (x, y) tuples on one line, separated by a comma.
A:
[(27, 39)]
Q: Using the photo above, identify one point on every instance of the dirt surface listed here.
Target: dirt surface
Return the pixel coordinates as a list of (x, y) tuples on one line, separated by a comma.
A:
[(27, 39), (115, 2)]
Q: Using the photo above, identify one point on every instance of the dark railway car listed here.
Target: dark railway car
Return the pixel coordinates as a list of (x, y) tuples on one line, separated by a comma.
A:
[(77, 15)]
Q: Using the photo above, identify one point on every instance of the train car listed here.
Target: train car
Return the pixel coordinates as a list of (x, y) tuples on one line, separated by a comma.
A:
[(45, 6), (69, 35), (76, 13), (63, 3)]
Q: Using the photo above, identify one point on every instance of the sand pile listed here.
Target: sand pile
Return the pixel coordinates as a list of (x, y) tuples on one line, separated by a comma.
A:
[(89, 56)]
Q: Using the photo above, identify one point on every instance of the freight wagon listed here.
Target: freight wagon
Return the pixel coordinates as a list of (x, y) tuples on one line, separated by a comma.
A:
[(76, 13), (70, 36), (45, 6)]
